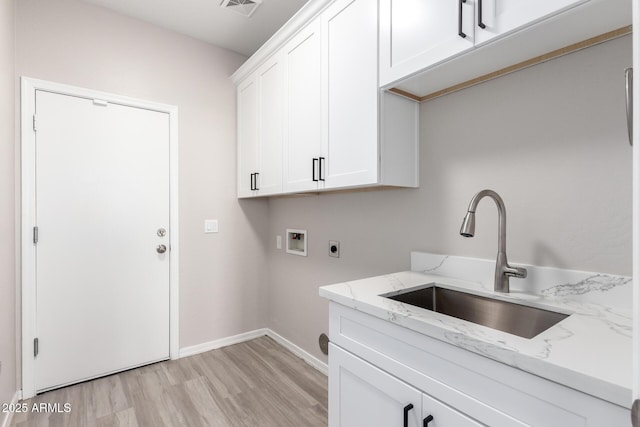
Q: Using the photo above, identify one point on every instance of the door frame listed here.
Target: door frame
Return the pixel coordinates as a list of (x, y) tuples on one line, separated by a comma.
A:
[(28, 204)]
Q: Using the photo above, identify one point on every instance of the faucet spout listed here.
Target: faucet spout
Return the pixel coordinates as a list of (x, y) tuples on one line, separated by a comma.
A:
[(503, 269)]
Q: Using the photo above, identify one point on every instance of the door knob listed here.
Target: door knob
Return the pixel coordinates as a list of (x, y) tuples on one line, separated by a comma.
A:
[(161, 249)]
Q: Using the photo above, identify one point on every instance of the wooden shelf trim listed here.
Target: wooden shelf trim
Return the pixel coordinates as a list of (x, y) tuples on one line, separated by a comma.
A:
[(519, 66)]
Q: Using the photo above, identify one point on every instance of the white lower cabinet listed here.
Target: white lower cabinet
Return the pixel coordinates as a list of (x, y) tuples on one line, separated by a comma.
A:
[(363, 395), (378, 368)]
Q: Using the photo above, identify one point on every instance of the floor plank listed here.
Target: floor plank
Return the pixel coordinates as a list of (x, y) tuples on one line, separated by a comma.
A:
[(255, 383)]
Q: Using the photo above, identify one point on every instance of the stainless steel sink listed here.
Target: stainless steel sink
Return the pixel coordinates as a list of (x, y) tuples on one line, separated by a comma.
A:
[(517, 319)]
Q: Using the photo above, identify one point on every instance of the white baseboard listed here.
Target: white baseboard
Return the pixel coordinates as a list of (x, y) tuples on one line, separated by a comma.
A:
[(222, 342), (303, 354), (9, 415), (236, 339)]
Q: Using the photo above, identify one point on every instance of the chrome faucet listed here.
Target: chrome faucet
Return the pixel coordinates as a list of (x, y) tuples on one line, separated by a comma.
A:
[(468, 229)]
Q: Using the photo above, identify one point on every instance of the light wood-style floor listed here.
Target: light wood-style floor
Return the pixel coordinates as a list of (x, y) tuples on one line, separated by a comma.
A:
[(257, 383)]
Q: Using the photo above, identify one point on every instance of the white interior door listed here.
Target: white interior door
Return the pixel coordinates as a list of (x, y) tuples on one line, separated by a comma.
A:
[(102, 194)]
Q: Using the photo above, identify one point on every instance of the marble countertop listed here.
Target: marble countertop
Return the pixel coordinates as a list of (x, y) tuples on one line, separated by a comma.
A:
[(590, 351)]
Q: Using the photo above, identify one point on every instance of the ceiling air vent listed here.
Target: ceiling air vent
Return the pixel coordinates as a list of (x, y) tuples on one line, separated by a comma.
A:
[(243, 7)]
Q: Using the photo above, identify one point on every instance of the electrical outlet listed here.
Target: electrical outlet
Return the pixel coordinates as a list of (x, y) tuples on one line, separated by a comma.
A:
[(334, 248)]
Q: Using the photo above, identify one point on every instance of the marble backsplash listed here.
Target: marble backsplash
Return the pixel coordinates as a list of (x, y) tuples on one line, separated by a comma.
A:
[(574, 285)]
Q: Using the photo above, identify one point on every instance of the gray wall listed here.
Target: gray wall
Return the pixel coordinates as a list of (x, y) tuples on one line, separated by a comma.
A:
[(7, 207), (73, 42), (550, 139)]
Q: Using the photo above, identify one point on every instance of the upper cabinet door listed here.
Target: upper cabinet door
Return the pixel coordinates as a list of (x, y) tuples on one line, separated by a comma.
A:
[(350, 91), (302, 99), (270, 125), (415, 34), (247, 135), (497, 17)]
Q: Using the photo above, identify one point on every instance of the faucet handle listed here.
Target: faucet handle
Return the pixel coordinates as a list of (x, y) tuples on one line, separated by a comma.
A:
[(519, 272)]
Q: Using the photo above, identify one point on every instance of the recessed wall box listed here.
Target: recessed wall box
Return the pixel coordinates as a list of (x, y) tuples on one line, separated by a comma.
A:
[(334, 249), (297, 242)]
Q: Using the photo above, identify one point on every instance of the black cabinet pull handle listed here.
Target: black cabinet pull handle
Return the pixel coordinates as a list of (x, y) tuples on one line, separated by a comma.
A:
[(256, 181), (251, 181), (460, 33), (406, 414), (426, 421), (320, 174), (480, 23), (313, 169)]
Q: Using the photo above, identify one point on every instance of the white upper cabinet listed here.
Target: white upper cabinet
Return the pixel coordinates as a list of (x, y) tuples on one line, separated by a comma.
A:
[(303, 112), (417, 33), (270, 127), (260, 99), (350, 82), (320, 120), (311, 116), (247, 93)]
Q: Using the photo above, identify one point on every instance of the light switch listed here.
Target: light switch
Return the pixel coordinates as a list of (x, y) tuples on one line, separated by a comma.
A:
[(278, 242), (210, 225)]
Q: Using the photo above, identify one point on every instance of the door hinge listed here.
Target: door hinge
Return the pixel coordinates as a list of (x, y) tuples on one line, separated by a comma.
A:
[(36, 347), (35, 235), (34, 123)]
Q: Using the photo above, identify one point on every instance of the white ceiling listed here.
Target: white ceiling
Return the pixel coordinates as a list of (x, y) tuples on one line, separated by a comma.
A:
[(207, 21)]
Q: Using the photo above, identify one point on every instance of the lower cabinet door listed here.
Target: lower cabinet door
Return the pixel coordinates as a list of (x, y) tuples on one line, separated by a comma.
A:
[(361, 395), (437, 414)]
